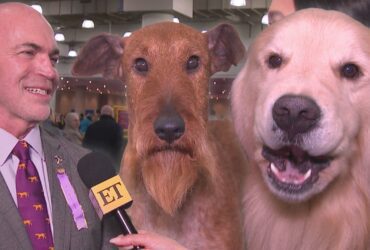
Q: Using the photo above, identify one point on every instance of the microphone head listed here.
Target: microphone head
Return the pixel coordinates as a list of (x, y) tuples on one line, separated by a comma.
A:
[(95, 168)]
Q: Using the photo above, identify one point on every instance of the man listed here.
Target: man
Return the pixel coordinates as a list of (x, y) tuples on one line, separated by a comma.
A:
[(106, 136), (28, 79)]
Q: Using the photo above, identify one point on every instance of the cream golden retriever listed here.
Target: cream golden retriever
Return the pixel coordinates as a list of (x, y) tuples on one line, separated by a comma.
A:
[(301, 107)]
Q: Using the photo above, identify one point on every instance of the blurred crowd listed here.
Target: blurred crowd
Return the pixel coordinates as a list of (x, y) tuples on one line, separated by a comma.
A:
[(97, 131)]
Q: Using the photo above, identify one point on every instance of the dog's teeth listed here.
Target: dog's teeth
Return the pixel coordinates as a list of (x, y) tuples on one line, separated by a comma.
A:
[(274, 169), (297, 182), (307, 175)]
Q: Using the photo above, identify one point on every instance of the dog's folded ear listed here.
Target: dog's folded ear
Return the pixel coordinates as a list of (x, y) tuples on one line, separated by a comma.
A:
[(100, 55), (225, 47)]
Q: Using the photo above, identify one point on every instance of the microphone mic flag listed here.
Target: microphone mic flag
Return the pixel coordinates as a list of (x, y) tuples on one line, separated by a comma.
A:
[(107, 193)]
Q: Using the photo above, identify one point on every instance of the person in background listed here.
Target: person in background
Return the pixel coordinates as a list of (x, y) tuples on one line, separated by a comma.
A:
[(50, 124), (96, 116), (221, 110), (71, 129), (357, 9), (44, 204), (85, 123), (60, 121), (106, 136)]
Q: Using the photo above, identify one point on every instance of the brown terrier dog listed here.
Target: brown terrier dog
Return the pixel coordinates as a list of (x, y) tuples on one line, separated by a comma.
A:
[(178, 174)]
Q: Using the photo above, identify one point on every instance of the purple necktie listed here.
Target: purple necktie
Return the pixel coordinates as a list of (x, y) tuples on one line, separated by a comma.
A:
[(31, 200)]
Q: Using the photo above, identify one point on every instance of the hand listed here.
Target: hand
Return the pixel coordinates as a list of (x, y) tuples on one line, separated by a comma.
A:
[(148, 240)]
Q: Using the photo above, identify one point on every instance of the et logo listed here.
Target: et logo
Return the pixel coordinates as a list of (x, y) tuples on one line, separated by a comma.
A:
[(109, 195)]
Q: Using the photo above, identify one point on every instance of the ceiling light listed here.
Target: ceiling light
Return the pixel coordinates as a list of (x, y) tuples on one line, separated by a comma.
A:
[(238, 3), (59, 37), (127, 34), (88, 24), (175, 20), (37, 7), (265, 19), (72, 53)]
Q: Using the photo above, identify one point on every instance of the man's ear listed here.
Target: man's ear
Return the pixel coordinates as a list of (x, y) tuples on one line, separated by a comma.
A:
[(101, 54), (225, 47)]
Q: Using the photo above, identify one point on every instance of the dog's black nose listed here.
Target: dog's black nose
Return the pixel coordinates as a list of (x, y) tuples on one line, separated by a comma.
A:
[(295, 114), (169, 125)]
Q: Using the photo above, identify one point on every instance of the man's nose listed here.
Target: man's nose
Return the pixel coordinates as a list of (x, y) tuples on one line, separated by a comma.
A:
[(46, 67)]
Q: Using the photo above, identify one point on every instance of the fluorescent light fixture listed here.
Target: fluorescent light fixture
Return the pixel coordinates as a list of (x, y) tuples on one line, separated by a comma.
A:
[(72, 53), (88, 24), (59, 37), (204, 31), (127, 34), (238, 3), (265, 19), (37, 7), (175, 20)]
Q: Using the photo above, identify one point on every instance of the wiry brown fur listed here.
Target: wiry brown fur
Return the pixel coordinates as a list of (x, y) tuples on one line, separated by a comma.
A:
[(185, 189), (314, 44)]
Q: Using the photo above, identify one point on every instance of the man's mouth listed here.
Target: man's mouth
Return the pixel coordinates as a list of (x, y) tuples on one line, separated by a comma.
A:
[(38, 91), (292, 170)]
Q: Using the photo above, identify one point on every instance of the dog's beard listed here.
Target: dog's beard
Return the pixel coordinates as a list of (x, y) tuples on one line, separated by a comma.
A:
[(168, 177)]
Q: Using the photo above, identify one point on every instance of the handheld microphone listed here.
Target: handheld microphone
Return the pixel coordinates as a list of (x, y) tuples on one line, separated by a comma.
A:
[(107, 193)]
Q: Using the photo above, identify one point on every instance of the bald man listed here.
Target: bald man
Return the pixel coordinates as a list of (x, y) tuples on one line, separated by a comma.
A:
[(106, 136), (28, 79)]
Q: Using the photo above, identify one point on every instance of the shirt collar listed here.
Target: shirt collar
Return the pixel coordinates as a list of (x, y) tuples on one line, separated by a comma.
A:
[(8, 142), (34, 139)]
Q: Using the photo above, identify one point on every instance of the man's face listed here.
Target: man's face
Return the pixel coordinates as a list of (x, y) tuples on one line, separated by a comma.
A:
[(75, 122), (28, 77), (279, 9)]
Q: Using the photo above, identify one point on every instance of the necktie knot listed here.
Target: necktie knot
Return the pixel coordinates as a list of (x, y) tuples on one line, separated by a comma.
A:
[(21, 150)]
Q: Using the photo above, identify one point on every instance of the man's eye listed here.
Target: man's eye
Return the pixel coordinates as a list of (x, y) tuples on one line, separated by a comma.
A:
[(54, 60), (28, 52)]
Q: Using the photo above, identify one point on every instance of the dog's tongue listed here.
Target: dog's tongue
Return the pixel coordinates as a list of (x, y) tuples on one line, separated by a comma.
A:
[(290, 174)]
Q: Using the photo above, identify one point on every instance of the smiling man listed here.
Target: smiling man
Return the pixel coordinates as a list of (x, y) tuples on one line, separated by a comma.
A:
[(44, 204)]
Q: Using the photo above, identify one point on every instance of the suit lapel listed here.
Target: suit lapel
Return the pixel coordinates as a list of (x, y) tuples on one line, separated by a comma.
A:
[(61, 220), (9, 216)]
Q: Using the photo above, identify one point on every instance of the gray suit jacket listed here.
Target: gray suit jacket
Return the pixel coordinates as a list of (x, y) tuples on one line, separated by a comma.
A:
[(66, 236)]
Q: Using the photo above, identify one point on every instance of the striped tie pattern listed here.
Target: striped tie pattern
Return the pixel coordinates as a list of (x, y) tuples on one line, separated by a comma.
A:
[(31, 200)]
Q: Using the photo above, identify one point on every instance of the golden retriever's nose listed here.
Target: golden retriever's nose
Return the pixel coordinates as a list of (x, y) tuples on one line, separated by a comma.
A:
[(295, 114), (169, 125)]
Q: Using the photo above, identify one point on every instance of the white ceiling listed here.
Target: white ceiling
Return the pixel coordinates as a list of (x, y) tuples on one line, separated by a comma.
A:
[(120, 16)]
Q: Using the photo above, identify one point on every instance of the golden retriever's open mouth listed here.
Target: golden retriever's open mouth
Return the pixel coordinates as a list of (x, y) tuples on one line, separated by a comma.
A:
[(292, 170)]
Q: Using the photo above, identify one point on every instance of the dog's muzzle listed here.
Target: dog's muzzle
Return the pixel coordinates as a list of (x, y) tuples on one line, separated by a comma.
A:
[(292, 171)]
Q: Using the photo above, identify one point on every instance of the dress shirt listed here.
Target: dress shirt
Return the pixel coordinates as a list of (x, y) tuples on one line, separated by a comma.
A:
[(9, 163)]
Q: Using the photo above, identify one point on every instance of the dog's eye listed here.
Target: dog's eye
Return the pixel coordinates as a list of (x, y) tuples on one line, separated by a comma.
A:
[(274, 61), (192, 63), (141, 65), (350, 71)]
